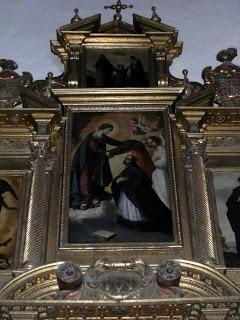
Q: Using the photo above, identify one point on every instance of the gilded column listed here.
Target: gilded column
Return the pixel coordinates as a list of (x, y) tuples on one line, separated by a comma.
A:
[(202, 223), (37, 222)]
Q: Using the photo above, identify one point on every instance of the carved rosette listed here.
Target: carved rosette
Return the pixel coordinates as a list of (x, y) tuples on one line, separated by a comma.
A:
[(169, 273), (195, 156)]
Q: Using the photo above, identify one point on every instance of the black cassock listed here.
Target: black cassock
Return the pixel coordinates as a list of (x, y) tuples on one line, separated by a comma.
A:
[(233, 214), (137, 187)]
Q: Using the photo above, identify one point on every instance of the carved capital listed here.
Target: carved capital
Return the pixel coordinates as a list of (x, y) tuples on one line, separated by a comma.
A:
[(194, 147), (40, 149)]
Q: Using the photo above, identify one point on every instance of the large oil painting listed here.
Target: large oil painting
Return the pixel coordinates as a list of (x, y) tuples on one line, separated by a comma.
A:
[(118, 68), (227, 192), (10, 187), (119, 178)]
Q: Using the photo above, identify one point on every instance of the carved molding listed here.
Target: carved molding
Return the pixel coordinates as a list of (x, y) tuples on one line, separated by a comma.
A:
[(96, 98), (14, 145), (224, 142), (207, 121), (16, 119)]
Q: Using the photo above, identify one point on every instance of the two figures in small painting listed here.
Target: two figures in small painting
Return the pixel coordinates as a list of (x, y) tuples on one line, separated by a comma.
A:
[(139, 191), (108, 75)]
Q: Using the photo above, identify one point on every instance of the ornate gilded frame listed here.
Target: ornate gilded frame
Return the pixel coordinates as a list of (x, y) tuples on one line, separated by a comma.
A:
[(151, 252)]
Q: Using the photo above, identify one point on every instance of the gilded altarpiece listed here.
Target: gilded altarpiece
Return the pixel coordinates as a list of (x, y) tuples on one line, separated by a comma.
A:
[(81, 154)]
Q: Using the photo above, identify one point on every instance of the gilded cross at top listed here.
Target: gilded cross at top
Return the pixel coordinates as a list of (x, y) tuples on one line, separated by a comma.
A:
[(118, 7)]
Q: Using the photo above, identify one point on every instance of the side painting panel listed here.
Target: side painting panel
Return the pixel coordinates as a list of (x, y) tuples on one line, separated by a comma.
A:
[(10, 188), (227, 193)]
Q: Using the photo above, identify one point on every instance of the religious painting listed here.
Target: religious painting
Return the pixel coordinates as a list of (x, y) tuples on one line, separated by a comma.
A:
[(227, 193), (118, 68), (10, 186), (119, 178)]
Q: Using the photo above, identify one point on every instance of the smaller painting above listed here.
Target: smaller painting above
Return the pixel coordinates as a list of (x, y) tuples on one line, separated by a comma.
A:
[(10, 187), (116, 68), (227, 192)]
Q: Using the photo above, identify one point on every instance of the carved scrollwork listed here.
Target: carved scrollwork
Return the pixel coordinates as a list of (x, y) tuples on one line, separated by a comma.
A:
[(118, 282), (44, 87)]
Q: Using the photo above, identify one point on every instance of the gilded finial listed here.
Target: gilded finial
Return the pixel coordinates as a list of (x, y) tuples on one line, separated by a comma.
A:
[(118, 7), (227, 55), (185, 80), (185, 73), (155, 16), (49, 76), (76, 17)]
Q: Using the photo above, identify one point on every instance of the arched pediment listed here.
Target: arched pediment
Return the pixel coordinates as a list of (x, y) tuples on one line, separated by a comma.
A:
[(197, 280)]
